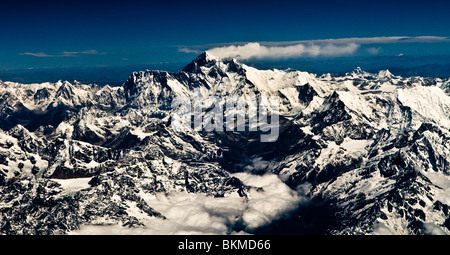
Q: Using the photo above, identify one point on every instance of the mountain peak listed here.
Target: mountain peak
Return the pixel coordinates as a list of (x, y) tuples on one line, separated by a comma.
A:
[(358, 70), (208, 56), (385, 74), (205, 59)]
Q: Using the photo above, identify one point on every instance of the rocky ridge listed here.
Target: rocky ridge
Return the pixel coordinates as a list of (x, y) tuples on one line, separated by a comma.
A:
[(371, 148)]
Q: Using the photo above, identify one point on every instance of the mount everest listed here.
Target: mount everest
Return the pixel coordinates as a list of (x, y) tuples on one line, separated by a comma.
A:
[(361, 153)]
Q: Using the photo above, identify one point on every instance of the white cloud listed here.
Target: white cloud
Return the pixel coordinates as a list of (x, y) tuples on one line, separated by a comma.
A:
[(382, 40), (63, 54), (187, 50), (188, 213), (305, 48), (36, 54), (258, 51), (257, 164), (374, 50), (381, 228), (77, 53), (274, 202)]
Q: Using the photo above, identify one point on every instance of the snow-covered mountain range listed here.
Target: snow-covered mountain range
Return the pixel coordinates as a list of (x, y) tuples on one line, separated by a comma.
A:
[(371, 152)]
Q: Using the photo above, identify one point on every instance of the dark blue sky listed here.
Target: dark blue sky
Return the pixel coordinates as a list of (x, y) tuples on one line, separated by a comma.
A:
[(48, 34)]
